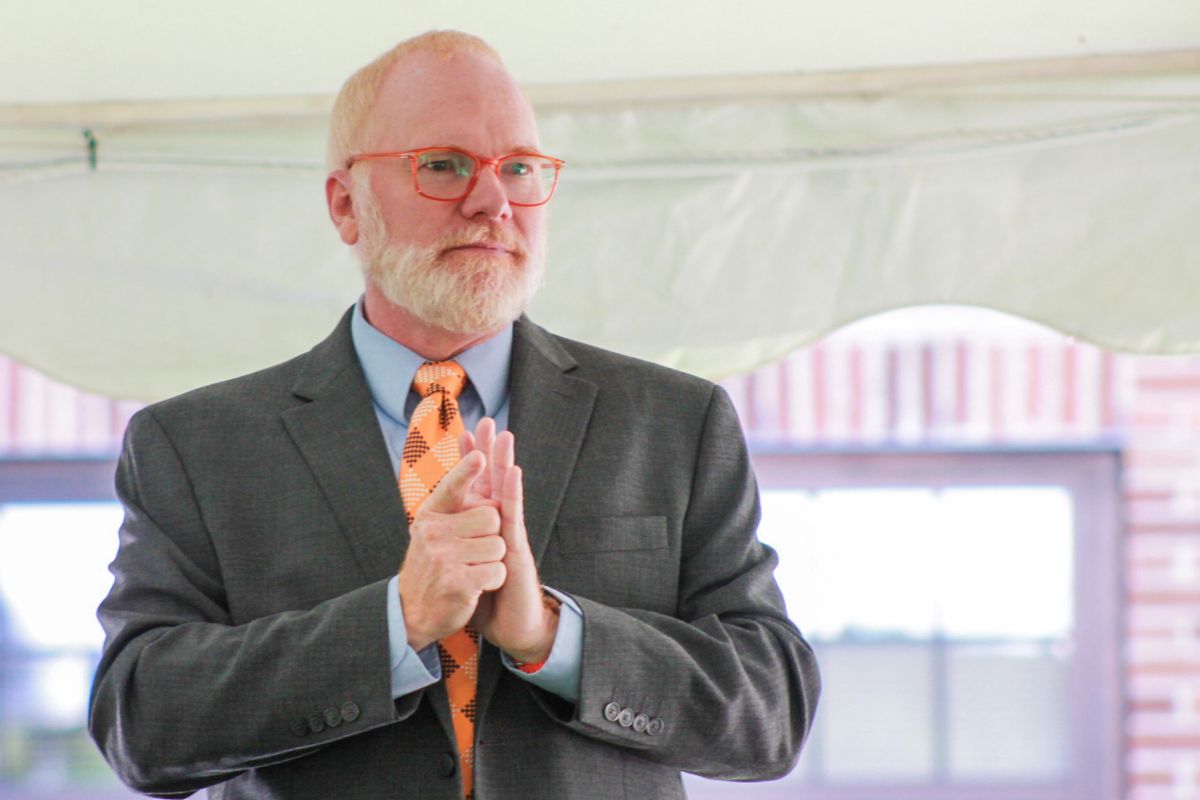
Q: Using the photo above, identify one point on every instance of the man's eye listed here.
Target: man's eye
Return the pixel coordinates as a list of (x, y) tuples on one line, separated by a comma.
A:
[(519, 169), (447, 164)]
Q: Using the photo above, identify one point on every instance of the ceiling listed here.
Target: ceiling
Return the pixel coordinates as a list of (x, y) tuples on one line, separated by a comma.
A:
[(161, 172), (66, 51)]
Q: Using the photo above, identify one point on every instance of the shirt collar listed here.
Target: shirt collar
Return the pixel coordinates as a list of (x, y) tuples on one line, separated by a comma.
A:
[(390, 366)]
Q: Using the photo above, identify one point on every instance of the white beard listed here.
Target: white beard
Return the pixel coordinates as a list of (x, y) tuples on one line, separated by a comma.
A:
[(477, 293)]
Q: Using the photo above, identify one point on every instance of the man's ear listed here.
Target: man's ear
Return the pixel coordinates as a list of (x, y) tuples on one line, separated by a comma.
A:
[(341, 205)]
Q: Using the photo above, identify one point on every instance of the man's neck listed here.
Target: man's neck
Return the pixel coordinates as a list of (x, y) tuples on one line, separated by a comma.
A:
[(429, 342)]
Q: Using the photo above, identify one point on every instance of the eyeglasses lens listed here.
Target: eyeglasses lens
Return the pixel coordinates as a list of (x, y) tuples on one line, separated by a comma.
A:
[(527, 179), (446, 174)]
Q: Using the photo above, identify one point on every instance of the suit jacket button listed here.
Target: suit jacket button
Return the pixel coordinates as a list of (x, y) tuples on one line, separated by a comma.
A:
[(333, 717), (350, 711), (611, 712), (640, 722), (316, 723), (446, 763), (298, 726), (655, 727), (626, 718)]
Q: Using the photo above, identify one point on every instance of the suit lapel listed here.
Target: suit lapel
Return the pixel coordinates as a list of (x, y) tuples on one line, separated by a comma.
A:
[(549, 411), (339, 436)]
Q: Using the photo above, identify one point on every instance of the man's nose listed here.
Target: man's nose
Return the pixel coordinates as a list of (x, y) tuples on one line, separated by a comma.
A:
[(487, 197)]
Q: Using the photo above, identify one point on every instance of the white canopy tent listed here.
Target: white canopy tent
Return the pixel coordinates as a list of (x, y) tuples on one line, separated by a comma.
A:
[(739, 180)]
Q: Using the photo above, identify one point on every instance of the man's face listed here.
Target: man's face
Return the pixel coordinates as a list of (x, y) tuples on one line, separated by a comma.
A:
[(466, 266)]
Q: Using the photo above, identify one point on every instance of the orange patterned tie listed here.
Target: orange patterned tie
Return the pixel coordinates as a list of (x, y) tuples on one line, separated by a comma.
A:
[(430, 451)]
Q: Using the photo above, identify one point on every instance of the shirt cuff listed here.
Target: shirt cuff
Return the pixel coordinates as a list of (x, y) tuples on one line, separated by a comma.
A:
[(410, 670), (561, 670)]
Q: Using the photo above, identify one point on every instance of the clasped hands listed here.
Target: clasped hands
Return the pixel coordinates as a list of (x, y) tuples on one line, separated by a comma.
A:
[(469, 559)]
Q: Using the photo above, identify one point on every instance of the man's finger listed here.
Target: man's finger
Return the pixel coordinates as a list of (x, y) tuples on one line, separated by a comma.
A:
[(512, 510), (483, 549), (504, 452), (485, 438), (488, 577), (451, 491), (482, 520)]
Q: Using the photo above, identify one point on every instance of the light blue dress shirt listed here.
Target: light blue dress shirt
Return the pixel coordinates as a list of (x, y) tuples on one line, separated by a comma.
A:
[(389, 367)]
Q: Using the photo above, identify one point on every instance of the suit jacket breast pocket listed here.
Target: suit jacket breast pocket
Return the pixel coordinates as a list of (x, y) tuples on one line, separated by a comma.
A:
[(625, 562)]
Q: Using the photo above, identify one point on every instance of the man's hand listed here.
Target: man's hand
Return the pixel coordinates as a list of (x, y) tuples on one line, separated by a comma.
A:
[(513, 617), (455, 554)]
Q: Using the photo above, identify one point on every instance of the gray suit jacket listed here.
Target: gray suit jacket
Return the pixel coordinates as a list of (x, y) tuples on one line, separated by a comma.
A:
[(247, 645)]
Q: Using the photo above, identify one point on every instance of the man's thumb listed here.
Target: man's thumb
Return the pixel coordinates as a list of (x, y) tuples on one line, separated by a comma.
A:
[(450, 493)]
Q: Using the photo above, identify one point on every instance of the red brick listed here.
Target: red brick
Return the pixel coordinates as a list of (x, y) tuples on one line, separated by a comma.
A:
[(1163, 527), (1169, 598), (1146, 495), (1150, 778), (1167, 668), (1149, 705), (1169, 383), (1166, 742)]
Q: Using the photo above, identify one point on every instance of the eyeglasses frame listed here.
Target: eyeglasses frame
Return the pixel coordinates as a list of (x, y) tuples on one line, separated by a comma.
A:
[(480, 162)]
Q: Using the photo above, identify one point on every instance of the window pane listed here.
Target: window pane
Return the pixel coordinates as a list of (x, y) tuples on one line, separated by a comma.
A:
[(1005, 557), (919, 562), (53, 574), (857, 562), (46, 692), (942, 619), (876, 721), (54, 571), (1008, 715)]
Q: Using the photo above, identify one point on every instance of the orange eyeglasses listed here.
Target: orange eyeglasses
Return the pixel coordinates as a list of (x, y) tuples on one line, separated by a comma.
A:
[(449, 173)]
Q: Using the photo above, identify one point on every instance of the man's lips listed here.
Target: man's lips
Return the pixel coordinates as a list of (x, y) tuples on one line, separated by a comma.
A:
[(491, 247)]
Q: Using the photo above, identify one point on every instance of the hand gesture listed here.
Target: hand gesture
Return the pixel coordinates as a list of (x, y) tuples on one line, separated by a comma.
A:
[(513, 617), (455, 554)]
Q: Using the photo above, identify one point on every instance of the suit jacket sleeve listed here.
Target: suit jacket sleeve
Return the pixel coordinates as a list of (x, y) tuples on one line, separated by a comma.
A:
[(184, 697), (729, 677)]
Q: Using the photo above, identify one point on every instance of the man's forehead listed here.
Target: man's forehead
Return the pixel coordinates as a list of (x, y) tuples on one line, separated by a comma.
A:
[(439, 98), (424, 79)]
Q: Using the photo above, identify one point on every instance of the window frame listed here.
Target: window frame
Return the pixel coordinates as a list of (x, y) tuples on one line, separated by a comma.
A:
[(1095, 692), (57, 480)]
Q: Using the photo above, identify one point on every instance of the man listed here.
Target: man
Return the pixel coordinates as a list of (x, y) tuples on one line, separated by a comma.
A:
[(288, 623)]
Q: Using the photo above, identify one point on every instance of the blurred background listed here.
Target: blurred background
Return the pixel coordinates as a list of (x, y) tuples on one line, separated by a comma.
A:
[(944, 257)]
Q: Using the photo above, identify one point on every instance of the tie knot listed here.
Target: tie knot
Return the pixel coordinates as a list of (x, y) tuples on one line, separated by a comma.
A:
[(440, 376)]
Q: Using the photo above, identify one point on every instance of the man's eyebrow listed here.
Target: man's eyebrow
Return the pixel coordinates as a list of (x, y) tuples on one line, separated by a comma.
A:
[(524, 151)]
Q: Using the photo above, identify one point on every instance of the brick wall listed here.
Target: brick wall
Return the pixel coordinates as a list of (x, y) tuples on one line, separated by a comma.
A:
[(1019, 384), (42, 416), (1162, 579)]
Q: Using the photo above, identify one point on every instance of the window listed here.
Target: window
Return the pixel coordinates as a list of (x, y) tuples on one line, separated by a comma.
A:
[(58, 532), (963, 610)]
